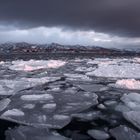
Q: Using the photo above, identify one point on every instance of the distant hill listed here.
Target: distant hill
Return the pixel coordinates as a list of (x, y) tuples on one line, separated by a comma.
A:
[(23, 47)]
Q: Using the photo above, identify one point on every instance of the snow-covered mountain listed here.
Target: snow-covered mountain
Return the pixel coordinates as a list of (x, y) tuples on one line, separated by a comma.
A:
[(24, 47)]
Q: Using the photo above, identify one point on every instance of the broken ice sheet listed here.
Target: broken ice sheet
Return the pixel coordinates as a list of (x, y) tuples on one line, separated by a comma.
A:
[(49, 110), (32, 133), (10, 87)]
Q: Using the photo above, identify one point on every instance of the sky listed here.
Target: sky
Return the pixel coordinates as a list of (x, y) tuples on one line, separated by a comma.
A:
[(107, 23)]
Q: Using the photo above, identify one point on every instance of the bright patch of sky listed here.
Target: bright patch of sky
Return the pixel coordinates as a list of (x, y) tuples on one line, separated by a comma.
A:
[(63, 36)]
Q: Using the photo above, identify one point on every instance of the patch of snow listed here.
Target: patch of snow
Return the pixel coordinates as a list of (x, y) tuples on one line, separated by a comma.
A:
[(4, 103), (13, 112), (49, 106), (87, 116), (128, 84), (77, 77), (31, 65), (85, 69), (9, 87), (29, 106), (101, 106), (98, 134), (124, 133), (37, 97), (133, 117), (61, 117), (115, 68), (110, 103), (132, 101)]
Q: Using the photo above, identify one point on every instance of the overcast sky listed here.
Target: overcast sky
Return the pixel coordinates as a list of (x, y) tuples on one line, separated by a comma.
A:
[(109, 23)]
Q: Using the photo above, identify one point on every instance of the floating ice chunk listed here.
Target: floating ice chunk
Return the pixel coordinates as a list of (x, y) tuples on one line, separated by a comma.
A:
[(4, 103), (49, 106), (85, 69), (77, 77), (9, 87), (13, 112), (136, 59), (42, 119), (101, 106), (110, 103), (32, 65), (91, 87), (2, 62), (61, 117), (4, 91), (29, 106), (98, 134), (133, 117), (87, 116), (32, 133), (37, 97), (132, 101), (128, 83), (102, 61), (55, 63), (124, 133)]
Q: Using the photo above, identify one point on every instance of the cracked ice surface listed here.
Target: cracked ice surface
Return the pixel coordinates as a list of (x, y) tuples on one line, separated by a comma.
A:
[(9, 87), (121, 68), (47, 109)]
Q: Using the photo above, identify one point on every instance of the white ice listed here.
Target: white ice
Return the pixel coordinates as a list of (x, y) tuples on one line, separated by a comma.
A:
[(98, 134), (13, 112), (41, 97), (8, 87), (131, 108), (128, 84), (121, 68), (77, 77), (31, 65)]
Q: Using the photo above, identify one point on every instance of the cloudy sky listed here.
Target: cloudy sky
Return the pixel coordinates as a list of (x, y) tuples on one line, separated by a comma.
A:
[(108, 23)]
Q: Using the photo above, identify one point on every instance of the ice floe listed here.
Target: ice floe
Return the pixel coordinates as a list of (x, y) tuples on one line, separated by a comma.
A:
[(128, 84), (77, 77), (125, 133), (29, 106), (98, 134), (13, 112), (32, 133), (32, 65), (4, 103), (122, 68), (49, 106), (85, 69), (133, 117), (132, 101), (9, 87), (131, 108), (37, 97)]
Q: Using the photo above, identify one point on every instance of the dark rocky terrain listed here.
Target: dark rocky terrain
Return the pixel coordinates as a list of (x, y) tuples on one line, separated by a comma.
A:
[(15, 49)]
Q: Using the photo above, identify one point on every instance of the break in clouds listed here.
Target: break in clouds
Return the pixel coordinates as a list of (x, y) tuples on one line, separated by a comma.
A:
[(109, 23), (59, 35)]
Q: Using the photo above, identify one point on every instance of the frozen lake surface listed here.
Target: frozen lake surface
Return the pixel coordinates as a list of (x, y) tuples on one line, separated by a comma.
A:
[(70, 99)]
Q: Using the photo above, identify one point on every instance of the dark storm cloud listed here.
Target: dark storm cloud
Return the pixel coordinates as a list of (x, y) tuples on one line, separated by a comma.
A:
[(117, 17)]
